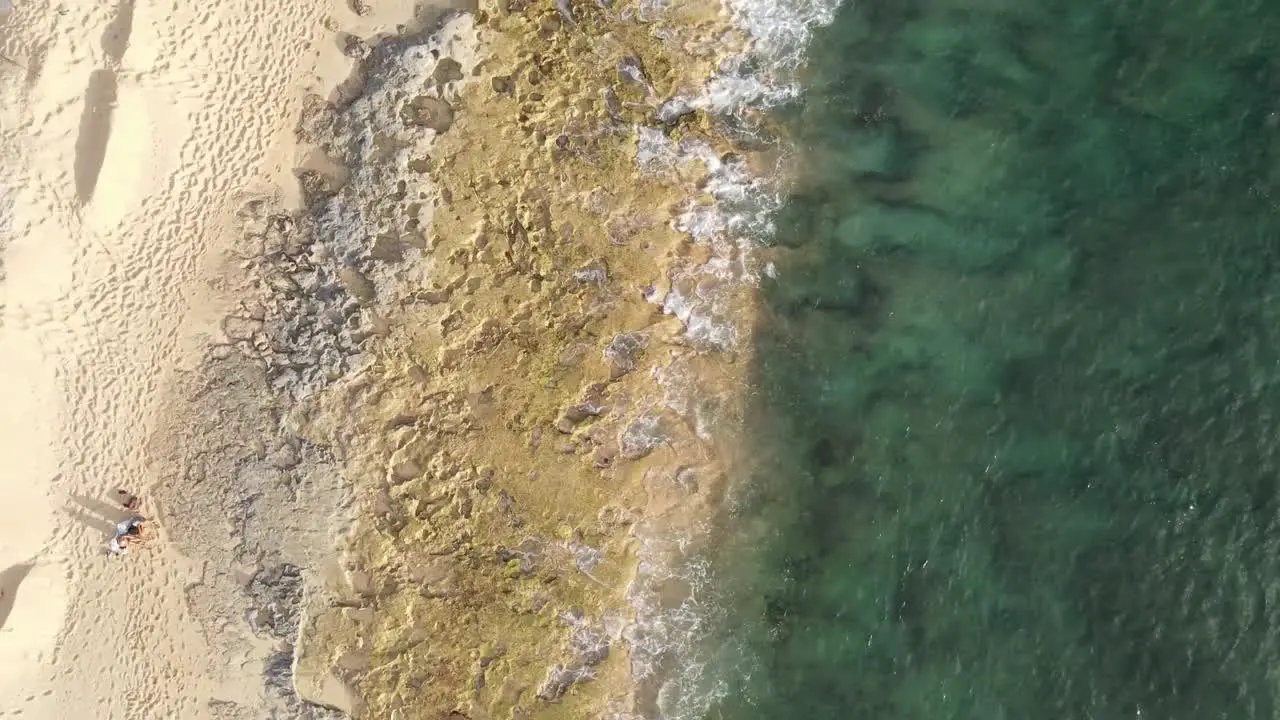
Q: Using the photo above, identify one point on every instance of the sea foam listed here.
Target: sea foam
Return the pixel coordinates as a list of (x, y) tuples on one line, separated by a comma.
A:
[(674, 594)]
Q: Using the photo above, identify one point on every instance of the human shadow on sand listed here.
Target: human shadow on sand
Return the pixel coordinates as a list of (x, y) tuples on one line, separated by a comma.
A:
[(97, 514), (9, 581)]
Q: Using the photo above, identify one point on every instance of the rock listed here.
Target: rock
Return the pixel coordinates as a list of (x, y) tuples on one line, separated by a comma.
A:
[(361, 582), (284, 457), (560, 679), (282, 284), (308, 282), (655, 293), (522, 560), (624, 353), (565, 8), (360, 287), (429, 112), (590, 645), (447, 70), (604, 455), (278, 674), (881, 150), (670, 112), (275, 596), (354, 47), (387, 248), (631, 70), (285, 379), (419, 375), (641, 436), (450, 323), (592, 405), (686, 478), (449, 356), (594, 273), (611, 103), (405, 470), (316, 185), (573, 355), (432, 297), (486, 336), (316, 118), (241, 328)]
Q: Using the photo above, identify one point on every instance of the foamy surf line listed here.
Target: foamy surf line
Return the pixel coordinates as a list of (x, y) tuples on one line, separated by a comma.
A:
[(680, 673)]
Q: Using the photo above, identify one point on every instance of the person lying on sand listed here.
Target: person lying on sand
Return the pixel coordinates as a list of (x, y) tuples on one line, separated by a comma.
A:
[(127, 532), (119, 545), (132, 527)]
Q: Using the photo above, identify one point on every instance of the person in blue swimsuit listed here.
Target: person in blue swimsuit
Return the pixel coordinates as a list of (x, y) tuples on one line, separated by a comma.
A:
[(129, 530), (131, 527)]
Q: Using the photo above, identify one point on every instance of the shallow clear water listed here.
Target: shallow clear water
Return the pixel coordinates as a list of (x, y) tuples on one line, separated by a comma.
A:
[(1020, 378)]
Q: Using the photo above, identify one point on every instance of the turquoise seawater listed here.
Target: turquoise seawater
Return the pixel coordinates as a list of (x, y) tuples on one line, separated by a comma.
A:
[(1019, 374)]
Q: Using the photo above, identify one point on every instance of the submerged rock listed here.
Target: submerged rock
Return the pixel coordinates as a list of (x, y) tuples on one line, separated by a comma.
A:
[(670, 112), (560, 679), (927, 234), (631, 71), (882, 150), (611, 103), (565, 8), (594, 273), (836, 285), (643, 435), (592, 405), (624, 353)]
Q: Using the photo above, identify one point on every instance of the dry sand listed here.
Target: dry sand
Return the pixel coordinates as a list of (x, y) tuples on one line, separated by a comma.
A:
[(130, 133)]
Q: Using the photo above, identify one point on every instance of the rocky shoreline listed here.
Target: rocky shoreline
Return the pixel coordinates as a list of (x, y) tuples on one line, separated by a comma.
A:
[(493, 353)]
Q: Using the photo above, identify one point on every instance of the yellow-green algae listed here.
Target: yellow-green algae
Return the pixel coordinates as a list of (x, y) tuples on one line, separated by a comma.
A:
[(456, 461)]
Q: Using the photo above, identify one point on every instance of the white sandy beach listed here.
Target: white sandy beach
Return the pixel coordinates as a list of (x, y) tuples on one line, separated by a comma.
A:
[(130, 134)]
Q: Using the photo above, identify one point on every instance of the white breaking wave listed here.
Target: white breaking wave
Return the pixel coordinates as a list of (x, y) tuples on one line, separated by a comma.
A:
[(763, 76), (673, 595)]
